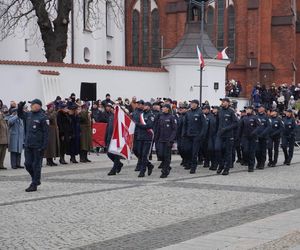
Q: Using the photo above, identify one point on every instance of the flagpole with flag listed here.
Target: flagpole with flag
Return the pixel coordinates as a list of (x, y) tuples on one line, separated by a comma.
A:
[(201, 64)]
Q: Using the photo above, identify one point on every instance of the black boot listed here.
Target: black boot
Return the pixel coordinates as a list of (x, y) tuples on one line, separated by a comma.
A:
[(31, 188), (53, 163), (119, 167), (82, 157), (112, 171), (150, 169), (142, 174), (62, 160), (73, 160), (49, 162)]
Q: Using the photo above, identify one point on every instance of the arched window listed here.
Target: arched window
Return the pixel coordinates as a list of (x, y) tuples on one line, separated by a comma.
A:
[(155, 38), (145, 32), (231, 32), (220, 26), (135, 37), (210, 23)]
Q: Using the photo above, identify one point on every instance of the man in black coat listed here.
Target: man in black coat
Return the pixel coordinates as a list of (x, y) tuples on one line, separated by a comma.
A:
[(194, 128), (165, 136)]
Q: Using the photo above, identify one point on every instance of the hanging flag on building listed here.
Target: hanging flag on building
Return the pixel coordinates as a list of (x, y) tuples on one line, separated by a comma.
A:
[(200, 57), (122, 137), (222, 55)]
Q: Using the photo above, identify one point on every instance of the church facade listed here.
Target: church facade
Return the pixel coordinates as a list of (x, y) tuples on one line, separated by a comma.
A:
[(263, 37)]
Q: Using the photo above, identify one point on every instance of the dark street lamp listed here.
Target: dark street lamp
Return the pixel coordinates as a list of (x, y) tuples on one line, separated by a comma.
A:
[(201, 3)]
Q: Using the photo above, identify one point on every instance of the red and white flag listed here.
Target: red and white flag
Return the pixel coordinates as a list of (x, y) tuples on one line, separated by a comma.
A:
[(122, 137), (200, 57), (222, 55)]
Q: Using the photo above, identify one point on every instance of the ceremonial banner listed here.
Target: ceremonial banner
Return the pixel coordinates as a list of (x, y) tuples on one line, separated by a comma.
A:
[(99, 130), (122, 137)]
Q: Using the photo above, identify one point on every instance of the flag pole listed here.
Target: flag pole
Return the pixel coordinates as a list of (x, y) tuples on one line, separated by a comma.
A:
[(202, 49)]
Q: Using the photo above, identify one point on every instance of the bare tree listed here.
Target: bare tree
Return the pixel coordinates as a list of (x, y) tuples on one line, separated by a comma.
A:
[(52, 18)]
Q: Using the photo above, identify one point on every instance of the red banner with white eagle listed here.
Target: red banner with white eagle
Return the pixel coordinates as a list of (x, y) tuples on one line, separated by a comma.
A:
[(122, 137)]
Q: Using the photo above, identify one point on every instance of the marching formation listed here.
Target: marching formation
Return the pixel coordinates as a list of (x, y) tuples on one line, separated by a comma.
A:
[(218, 136)]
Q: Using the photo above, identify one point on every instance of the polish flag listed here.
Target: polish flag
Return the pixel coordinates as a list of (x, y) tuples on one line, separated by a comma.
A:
[(122, 137), (200, 57), (222, 55)]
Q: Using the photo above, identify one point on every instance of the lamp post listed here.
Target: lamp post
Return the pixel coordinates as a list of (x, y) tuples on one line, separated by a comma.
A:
[(201, 3)]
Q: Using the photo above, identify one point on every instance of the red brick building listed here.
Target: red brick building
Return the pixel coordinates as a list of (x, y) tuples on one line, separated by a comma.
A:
[(262, 36)]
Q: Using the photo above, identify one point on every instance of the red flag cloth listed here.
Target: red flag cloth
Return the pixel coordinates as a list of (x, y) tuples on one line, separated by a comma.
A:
[(122, 137), (99, 130), (200, 57), (222, 55)]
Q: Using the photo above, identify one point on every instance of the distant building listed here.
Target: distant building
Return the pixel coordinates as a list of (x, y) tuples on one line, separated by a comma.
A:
[(263, 37)]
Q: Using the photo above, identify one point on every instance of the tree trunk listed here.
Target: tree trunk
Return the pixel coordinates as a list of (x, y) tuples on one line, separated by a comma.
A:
[(54, 34)]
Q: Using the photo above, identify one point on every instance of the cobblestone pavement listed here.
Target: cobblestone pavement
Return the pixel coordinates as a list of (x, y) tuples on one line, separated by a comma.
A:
[(80, 207)]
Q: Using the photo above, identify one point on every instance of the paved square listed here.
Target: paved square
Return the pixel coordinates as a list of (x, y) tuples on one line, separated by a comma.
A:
[(80, 207)]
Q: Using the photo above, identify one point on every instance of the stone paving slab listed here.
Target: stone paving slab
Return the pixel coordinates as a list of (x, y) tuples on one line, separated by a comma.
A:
[(79, 206), (276, 232)]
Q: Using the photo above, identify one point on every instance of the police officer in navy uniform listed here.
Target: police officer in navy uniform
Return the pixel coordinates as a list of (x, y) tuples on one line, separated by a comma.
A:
[(165, 136), (108, 134), (183, 108), (225, 136), (262, 135), (36, 140), (276, 126), (145, 137), (212, 135), (288, 136), (207, 137), (248, 137), (195, 128), (136, 142)]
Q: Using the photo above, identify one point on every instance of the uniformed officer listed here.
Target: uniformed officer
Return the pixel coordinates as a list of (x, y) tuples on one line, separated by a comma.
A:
[(276, 126), (108, 134), (288, 136), (205, 147), (248, 137), (262, 135), (183, 108), (212, 135), (194, 128), (36, 140), (165, 136), (225, 136), (145, 137), (136, 142)]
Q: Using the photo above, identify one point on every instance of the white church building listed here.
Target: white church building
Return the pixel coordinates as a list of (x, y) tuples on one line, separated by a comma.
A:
[(97, 55)]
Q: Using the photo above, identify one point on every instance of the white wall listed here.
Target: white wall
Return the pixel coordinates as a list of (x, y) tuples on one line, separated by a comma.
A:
[(184, 74), (13, 47), (26, 83)]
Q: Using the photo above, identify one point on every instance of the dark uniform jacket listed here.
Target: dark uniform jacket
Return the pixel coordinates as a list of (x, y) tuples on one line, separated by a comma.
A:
[(227, 122), (37, 129), (263, 126), (166, 128), (195, 124), (136, 118), (276, 126), (146, 130), (248, 126), (289, 126)]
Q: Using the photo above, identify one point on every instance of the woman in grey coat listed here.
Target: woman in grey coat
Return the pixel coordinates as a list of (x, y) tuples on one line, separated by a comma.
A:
[(16, 139)]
